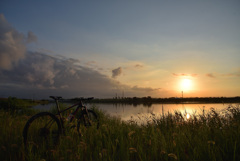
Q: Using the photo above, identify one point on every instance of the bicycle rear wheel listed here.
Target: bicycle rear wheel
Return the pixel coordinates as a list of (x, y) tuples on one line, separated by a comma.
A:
[(41, 132), (88, 120)]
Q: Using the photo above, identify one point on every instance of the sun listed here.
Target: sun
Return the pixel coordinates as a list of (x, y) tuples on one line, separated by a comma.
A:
[(186, 84)]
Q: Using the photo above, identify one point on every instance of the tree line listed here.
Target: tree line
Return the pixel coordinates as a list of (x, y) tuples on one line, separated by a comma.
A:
[(150, 100)]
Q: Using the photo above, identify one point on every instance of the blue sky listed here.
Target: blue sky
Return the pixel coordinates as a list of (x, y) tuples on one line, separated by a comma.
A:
[(141, 47)]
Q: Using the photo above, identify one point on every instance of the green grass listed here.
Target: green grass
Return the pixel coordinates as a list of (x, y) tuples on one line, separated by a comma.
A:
[(16, 104), (212, 136)]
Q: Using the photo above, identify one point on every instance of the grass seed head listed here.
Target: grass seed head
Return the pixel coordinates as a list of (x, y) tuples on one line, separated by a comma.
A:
[(171, 155), (133, 150)]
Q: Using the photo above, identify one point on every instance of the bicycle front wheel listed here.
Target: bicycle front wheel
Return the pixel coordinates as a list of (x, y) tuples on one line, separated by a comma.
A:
[(41, 132)]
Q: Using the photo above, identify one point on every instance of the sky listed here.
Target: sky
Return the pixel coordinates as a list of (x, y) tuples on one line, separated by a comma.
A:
[(121, 48)]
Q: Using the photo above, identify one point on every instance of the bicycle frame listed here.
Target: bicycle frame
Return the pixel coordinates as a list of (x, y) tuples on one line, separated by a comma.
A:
[(47, 119), (79, 106)]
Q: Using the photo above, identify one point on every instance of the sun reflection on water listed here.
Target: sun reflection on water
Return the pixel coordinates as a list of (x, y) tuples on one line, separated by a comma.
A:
[(188, 116)]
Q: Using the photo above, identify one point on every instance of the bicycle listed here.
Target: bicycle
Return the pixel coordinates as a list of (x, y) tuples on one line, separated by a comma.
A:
[(43, 130)]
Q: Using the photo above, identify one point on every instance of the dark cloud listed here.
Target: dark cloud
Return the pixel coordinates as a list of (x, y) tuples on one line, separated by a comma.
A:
[(28, 74), (148, 89), (48, 74), (42, 75), (116, 72), (12, 47)]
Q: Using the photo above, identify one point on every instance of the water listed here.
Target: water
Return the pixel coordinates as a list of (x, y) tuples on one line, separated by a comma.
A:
[(131, 112), (44, 107)]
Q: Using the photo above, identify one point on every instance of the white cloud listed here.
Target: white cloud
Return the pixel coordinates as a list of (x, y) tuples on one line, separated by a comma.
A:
[(45, 75), (12, 47), (25, 73), (12, 44)]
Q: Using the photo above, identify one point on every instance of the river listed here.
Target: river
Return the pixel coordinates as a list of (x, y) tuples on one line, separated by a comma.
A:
[(142, 113)]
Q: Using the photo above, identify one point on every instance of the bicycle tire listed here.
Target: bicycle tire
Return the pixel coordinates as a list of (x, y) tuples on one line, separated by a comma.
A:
[(41, 131), (90, 120)]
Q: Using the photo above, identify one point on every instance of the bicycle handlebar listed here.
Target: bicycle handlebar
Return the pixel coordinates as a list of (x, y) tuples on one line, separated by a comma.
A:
[(56, 97)]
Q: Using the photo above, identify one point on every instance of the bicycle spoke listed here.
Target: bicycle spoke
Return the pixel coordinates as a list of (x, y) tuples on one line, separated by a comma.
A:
[(41, 132)]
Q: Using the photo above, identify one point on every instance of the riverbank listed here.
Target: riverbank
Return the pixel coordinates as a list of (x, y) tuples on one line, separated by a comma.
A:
[(209, 136), (172, 100), (13, 103)]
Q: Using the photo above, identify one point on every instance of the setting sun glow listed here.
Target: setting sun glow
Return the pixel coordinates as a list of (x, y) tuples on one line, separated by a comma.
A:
[(186, 84), (115, 52)]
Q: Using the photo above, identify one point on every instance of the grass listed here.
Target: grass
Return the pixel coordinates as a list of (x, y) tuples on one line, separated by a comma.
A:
[(211, 136)]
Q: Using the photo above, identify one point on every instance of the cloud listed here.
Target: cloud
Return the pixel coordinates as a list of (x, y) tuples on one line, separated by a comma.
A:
[(42, 75), (232, 74), (235, 73), (28, 74), (210, 75), (116, 72), (12, 47), (35, 70), (138, 66), (31, 37), (148, 89), (12, 44), (184, 74), (48, 75)]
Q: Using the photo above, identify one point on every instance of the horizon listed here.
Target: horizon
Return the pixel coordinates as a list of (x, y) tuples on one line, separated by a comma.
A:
[(136, 49), (119, 98)]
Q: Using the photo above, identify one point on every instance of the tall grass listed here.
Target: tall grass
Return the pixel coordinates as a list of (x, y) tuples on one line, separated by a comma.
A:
[(211, 136)]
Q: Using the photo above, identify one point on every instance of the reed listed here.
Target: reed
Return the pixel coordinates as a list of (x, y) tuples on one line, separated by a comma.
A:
[(209, 136)]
